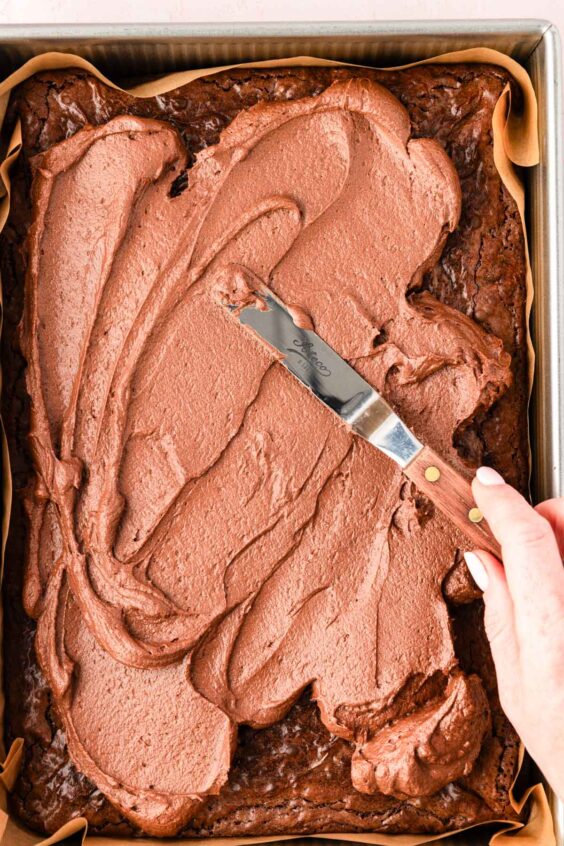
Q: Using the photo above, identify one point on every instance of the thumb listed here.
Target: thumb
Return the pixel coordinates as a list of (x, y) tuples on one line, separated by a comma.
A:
[(533, 567), (499, 621)]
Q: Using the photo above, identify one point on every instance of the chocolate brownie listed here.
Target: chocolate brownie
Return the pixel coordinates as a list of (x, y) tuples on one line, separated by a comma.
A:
[(295, 773)]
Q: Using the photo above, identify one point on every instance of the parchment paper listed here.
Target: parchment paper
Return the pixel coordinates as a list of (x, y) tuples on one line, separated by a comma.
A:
[(515, 143)]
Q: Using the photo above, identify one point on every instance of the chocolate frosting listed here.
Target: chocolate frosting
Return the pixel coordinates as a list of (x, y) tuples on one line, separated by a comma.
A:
[(206, 540)]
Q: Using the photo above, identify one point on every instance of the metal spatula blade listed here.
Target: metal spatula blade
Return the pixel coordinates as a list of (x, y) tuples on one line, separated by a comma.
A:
[(332, 380)]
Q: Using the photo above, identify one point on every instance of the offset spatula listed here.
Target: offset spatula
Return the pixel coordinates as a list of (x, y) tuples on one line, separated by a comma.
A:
[(341, 389)]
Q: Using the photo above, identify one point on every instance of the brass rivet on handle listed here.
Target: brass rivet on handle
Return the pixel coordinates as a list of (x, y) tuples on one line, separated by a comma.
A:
[(475, 515), (432, 474)]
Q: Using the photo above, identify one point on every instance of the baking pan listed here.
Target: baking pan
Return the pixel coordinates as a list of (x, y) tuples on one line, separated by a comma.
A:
[(129, 51)]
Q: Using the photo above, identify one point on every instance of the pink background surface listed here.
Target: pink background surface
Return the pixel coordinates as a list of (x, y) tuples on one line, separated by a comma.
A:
[(188, 11)]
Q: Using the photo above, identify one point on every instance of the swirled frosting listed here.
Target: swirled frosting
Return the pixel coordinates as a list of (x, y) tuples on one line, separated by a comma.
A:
[(206, 540)]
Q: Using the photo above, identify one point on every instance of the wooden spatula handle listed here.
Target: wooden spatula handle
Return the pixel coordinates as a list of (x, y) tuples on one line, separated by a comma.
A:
[(452, 494)]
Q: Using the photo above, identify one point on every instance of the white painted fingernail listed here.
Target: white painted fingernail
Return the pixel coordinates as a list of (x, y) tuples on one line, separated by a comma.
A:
[(477, 569), (488, 476)]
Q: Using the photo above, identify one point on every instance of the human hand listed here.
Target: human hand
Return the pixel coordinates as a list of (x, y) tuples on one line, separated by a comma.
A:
[(524, 615)]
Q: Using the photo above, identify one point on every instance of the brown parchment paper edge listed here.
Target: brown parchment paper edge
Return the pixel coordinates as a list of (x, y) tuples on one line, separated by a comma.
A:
[(515, 140)]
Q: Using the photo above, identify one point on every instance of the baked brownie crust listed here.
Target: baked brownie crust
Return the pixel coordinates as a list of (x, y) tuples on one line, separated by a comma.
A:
[(294, 776)]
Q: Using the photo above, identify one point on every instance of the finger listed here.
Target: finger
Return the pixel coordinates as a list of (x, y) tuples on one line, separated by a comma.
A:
[(553, 511), (530, 553), (499, 621)]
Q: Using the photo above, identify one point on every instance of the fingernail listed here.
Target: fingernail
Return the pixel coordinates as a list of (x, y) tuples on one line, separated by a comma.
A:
[(477, 569), (488, 476)]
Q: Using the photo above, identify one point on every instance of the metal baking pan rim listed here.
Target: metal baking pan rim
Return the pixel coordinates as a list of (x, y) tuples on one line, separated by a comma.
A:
[(534, 42)]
